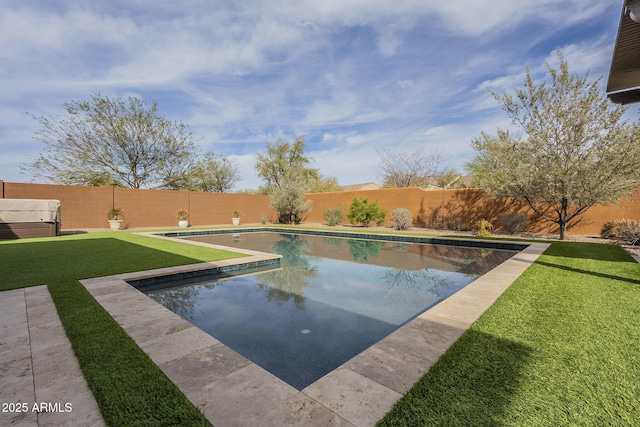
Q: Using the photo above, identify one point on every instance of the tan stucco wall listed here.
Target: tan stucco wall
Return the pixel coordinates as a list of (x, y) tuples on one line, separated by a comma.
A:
[(86, 207), (466, 206)]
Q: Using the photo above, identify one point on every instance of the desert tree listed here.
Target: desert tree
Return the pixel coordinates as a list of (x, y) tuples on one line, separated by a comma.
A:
[(411, 167), (575, 151), (214, 173), (113, 141), (324, 184), (287, 175), (282, 160)]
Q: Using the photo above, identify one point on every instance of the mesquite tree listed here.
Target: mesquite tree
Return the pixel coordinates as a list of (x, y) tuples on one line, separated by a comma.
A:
[(576, 149), (214, 173), (114, 141), (287, 175)]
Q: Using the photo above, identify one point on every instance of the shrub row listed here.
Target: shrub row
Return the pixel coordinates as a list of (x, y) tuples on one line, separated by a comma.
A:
[(363, 212)]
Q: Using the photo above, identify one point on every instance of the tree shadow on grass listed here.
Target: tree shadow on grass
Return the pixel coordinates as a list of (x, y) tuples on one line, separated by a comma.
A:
[(593, 251), (34, 263), (590, 272), (471, 384)]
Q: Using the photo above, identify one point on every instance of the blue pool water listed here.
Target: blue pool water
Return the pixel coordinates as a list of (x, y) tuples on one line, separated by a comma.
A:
[(331, 299)]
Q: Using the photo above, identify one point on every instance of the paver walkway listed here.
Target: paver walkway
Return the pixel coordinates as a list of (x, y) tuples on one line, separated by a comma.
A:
[(41, 383)]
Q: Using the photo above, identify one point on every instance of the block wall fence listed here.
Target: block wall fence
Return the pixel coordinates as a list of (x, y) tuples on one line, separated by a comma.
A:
[(86, 207), (464, 207)]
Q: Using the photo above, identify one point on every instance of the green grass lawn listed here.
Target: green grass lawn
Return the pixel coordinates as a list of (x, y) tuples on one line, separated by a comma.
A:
[(560, 347), (129, 388)]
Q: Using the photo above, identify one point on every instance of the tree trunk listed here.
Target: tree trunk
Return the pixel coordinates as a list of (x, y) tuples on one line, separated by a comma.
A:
[(562, 221)]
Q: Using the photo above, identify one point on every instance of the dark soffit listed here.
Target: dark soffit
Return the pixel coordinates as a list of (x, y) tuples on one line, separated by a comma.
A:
[(623, 86)]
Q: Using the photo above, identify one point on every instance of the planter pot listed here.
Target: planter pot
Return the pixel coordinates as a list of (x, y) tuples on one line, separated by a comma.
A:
[(114, 224), (235, 221), (183, 223)]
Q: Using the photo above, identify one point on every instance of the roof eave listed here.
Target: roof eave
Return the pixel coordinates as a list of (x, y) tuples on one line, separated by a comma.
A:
[(623, 85)]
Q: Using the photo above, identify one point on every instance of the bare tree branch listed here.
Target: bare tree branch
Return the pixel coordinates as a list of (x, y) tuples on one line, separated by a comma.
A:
[(411, 167)]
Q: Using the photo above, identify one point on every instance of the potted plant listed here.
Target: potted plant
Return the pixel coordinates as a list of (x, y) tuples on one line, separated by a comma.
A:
[(235, 219), (113, 216), (182, 217)]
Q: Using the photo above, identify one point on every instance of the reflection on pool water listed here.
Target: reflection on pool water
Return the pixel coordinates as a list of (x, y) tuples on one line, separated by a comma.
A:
[(332, 298)]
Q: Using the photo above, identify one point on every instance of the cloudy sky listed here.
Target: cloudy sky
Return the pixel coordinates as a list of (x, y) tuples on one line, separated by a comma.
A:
[(351, 75)]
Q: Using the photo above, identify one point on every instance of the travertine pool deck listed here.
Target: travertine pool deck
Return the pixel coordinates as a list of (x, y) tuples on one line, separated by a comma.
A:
[(41, 383), (233, 391)]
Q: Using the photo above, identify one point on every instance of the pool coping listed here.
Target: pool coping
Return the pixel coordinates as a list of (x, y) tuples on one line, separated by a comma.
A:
[(231, 390)]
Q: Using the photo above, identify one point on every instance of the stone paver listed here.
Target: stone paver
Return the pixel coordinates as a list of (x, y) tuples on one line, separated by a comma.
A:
[(390, 366), (39, 370), (16, 371), (356, 398), (301, 410)]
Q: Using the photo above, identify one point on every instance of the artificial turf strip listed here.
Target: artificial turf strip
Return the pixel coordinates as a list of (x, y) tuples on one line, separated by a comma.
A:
[(31, 262), (559, 347), (129, 388)]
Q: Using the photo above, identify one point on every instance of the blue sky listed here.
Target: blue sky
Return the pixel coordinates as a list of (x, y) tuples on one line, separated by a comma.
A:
[(351, 75)]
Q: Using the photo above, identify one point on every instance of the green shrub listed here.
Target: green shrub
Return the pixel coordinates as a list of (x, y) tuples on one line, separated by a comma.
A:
[(482, 228), (333, 215), (625, 230), (401, 218), (363, 212), (513, 222)]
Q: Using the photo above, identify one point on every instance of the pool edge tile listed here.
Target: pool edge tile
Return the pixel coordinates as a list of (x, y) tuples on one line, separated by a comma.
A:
[(354, 397)]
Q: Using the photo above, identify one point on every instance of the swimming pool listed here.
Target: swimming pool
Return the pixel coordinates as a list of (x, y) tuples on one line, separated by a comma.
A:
[(331, 298)]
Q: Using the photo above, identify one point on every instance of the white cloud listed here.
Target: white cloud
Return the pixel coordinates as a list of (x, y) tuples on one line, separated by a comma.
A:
[(483, 16), (503, 83), (353, 75), (249, 178), (593, 56), (350, 165), (31, 39), (404, 84)]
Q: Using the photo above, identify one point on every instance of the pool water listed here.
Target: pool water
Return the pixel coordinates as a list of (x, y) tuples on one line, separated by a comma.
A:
[(331, 299)]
